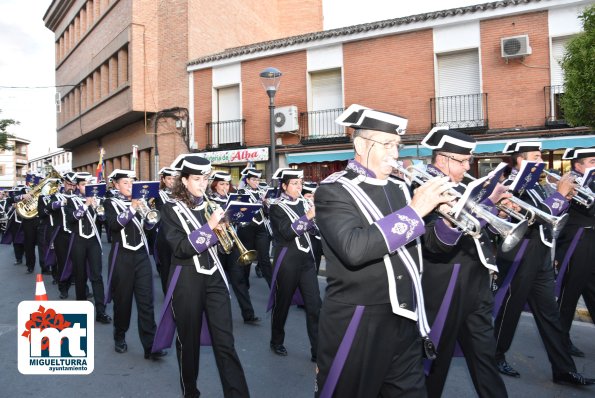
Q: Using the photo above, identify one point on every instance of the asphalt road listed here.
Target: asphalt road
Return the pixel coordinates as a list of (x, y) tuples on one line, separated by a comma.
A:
[(268, 375)]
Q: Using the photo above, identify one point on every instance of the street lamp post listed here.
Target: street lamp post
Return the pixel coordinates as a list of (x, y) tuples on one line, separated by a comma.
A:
[(270, 79)]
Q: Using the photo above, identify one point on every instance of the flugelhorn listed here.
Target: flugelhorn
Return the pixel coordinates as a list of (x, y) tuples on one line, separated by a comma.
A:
[(467, 220), (228, 237), (533, 214), (152, 216), (584, 196)]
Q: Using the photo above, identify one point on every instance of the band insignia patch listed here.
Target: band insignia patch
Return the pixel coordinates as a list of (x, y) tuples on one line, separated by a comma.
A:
[(412, 224), (399, 228), (203, 239)]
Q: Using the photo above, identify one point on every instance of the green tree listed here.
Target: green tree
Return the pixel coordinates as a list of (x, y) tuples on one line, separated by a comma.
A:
[(5, 135), (578, 100)]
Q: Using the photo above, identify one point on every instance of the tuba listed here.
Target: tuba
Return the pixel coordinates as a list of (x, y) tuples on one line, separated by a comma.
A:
[(228, 236), (467, 220), (27, 209)]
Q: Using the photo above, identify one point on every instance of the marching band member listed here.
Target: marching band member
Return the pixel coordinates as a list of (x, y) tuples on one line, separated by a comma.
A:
[(62, 238), (457, 271), (308, 190), (373, 312), (574, 251), (86, 249), (294, 261), (239, 275), (257, 234), (130, 272), (14, 232), (29, 228), (197, 280), (161, 250), (44, 235), (532, 278)]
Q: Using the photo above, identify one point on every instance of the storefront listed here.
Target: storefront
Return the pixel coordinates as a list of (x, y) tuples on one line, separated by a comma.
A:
[(234, 161), (319, 165)]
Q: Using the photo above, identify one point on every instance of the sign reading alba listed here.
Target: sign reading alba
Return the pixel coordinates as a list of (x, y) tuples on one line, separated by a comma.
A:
[(237, 155)]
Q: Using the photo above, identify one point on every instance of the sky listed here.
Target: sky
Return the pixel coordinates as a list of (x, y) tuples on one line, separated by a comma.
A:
[(27, 47)]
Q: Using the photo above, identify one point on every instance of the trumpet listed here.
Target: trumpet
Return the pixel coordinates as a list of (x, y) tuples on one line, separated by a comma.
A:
[(584, 196), (466, 221), (151, 216), (228, 237), (532, 214), (98, 206)]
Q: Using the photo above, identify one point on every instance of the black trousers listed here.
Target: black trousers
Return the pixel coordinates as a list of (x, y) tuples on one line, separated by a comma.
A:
[(61, 244), (133, 276), (30, 230), (87, 252), (256, 237), (385, 359), (533, 283), (194, 295), (297, 270), (469, 321), (238, 276), (19, 251), (163, 262), (44, 234), (579, 279)]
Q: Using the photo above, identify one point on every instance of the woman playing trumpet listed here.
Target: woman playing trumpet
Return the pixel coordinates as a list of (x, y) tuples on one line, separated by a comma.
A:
[(238, 274), (294, 262), (197, 283)]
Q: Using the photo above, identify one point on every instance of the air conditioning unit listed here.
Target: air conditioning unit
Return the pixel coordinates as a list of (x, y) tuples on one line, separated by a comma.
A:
[(515, 46), (286, 119)]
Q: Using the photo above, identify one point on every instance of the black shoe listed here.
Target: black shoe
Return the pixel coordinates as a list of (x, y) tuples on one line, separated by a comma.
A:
[(29, 270), (573, 378), (18, 262), (63, 295), (575, 352), (506, 369), (46, 271), (103, 318), (155, 355), (252, 320), (120, 346), (279, 349), (258, 271)]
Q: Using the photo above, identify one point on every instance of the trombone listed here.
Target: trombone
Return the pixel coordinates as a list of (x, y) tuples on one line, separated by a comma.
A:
[(469, 224), (228, 237), (584, 196), (532, 214)]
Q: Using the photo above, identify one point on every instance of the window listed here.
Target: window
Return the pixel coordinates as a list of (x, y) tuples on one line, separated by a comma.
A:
[(228, 126), (326, 96)]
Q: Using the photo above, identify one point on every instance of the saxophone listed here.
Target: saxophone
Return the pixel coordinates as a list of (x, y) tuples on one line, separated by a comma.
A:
[(27, 209)]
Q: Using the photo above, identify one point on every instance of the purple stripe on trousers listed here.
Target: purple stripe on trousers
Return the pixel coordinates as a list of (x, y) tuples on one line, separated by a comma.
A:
[(438, 325), (567, 256), (274, 280), (50, 253), (108, 291), (67, 271), (499, 298), (341, 357)]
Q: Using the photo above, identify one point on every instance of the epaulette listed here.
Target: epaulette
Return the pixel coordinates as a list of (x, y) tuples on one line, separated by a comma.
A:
[(333, 177)]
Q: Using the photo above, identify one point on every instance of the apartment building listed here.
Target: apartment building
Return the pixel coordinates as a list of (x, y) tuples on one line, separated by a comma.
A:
[(60, 160), (121, 69), (13, 163), (490, 69)]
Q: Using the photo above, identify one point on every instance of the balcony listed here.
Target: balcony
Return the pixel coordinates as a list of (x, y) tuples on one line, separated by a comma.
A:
[(319, 127), (464, 112), (554, 114), (226, 134)]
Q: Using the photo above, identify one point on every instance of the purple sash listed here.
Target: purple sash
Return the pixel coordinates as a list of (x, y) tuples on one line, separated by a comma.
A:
[(108, 291), (499, 298), (438, 325), (339, 361), (67, 271), (166, 328), (567, 256), (273, 284)]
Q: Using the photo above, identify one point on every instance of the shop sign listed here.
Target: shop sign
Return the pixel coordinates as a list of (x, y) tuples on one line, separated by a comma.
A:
[(237, 155)]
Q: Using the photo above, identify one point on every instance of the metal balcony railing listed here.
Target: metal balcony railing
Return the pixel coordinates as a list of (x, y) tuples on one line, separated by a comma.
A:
[(469, 111), (554, 114), (317, 127), (226, 134)]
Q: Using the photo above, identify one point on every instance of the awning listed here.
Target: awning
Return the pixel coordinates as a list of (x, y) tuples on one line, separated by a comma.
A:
[(314, 157)]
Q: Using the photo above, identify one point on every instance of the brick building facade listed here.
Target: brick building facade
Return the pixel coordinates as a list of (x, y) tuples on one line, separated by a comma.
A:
[(121, 69), (439, 68)]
